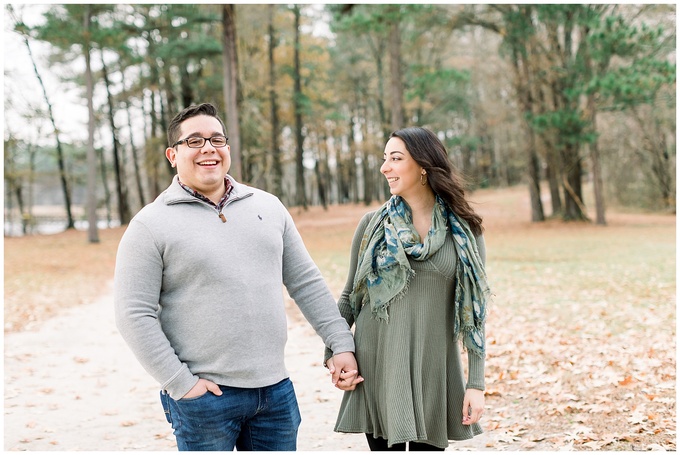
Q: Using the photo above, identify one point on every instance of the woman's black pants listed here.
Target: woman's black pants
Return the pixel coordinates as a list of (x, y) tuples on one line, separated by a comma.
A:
[(380, 444)]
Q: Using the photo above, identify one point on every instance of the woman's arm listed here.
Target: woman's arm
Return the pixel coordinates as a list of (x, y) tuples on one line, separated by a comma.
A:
[(343, 301), (476, 362)]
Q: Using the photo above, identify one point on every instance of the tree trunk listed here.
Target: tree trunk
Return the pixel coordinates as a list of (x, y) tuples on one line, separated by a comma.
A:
[(119, 170), (574, 209), (31, 185), (525, 105), (362, 115), (591, 114), (185, 86), (70, 222), (552, 175), (13, 185), (351, 168), (171, 103), (152, 155), (396, 87), (105, 186), (135, 157), (22, 209), (662, 167), (340, 181), (9, 186), (230, 70), (277, 176), (93, 233), (598, 186), (378, 53), (164, 128), (163, 106), (321, 164), (300, 197), (537, 213)]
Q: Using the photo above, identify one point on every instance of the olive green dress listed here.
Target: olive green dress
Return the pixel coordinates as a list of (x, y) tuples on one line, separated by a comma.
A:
[(414, 384)]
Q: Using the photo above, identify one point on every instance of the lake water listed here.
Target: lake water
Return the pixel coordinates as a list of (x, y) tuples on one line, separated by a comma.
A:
[(14, 229)]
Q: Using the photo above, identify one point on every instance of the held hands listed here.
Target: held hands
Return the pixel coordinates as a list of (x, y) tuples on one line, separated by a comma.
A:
[(344, 371), (202, 387), (473, 406)]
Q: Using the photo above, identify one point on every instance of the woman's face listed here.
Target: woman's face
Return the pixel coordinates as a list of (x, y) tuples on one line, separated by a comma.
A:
[(401, 170)]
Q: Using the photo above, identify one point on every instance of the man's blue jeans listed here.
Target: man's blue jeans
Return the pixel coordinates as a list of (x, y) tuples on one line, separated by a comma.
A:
[(265, 418)]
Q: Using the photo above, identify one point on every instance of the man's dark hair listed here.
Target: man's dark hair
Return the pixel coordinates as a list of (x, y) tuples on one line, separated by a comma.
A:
[(192, 111)]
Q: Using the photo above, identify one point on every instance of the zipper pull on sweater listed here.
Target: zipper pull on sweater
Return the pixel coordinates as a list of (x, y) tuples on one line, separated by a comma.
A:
[(222, 217)]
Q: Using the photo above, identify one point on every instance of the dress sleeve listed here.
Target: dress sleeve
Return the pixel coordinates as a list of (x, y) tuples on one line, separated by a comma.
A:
[(476, 364), (343, 302)]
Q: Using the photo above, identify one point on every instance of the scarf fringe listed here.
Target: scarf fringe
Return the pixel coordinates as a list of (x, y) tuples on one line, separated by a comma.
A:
[(380, 313), (463, 337), (485, 297)]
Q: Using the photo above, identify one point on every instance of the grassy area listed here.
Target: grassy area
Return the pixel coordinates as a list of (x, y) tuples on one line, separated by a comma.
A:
[(581, 331), (44, 274), (619, 267)]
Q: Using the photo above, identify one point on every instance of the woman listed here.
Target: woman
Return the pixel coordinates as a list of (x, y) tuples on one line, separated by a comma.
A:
[(416, 287)]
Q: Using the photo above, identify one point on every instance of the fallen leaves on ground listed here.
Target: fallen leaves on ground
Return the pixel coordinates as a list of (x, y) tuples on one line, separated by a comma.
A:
[(581, 332)]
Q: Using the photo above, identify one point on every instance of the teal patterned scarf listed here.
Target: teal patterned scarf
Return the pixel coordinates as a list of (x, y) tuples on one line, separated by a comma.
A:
[(383, 271)]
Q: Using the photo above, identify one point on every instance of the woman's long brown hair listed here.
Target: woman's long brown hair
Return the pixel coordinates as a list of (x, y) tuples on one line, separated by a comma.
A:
[(429, 152)]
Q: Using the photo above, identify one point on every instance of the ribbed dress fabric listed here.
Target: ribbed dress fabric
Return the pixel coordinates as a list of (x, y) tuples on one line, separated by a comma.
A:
[(414, 383)]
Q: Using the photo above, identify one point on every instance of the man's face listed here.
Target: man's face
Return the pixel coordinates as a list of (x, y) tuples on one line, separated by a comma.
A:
[(202, 169)]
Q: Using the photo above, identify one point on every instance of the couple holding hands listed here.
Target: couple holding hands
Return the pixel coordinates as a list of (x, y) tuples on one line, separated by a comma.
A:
[(198, 299)]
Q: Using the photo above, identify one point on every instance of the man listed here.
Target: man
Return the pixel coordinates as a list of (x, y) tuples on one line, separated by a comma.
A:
[(198, 295)]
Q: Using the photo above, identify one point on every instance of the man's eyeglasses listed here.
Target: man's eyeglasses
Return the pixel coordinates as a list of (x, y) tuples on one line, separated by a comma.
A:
[(198, 142)]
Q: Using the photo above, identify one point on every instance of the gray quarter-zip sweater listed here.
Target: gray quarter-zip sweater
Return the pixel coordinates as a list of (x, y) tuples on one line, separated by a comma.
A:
[(196, 297)]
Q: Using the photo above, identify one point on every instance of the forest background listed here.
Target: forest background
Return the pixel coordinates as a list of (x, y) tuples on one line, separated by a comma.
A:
[(553, 113), (565, 94)]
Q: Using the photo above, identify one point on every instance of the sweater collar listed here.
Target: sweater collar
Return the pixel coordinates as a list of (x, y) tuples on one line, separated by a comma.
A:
[(176, 194)]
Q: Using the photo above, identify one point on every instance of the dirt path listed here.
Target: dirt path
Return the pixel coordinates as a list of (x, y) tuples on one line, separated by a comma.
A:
[(73, 385), (561, 289)]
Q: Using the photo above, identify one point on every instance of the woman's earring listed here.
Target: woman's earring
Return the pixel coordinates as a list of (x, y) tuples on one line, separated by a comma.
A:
[(423, 179)]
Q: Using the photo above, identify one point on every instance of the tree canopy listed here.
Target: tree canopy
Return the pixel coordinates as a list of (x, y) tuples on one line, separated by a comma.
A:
[(555, 95)]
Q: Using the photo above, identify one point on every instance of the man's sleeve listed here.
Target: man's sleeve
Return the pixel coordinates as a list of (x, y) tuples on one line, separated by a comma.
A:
[(306, 286), (137, 285)]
